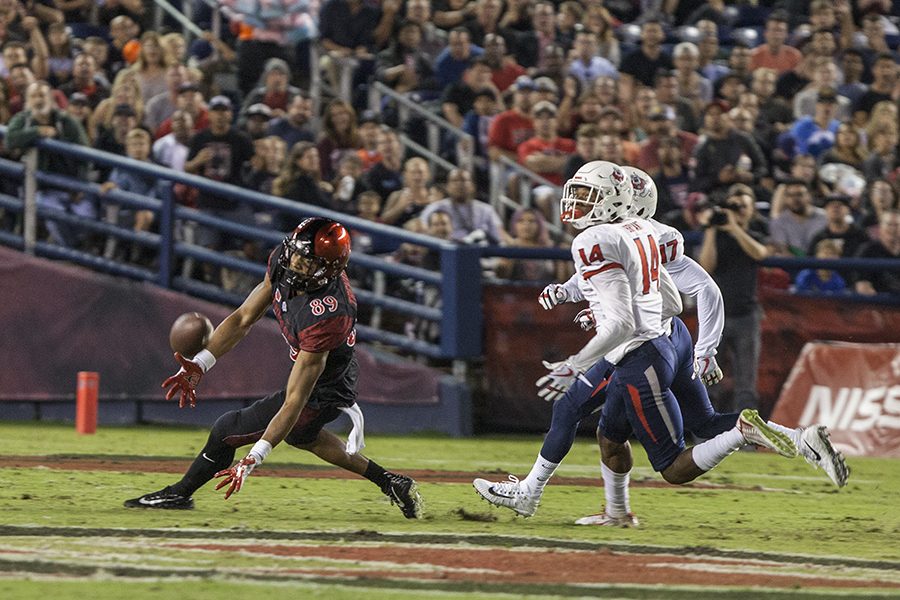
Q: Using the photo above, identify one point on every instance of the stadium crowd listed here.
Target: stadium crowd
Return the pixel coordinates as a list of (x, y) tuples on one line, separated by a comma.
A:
[(789, 104)]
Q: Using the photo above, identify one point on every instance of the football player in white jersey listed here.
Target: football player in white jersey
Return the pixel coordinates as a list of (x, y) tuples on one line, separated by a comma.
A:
[(617, 263)]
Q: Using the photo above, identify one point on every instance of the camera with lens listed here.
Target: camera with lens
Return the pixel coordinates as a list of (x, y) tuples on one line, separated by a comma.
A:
[(719, 216)]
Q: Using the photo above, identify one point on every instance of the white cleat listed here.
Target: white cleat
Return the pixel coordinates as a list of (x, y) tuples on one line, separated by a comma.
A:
[(815, 446), (605, 520), (757, 432), (508, 494)]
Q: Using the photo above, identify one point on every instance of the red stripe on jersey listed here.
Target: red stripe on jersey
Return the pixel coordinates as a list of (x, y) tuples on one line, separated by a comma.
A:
[(326, 335), (599, 387), (591, 273), (636, 402)]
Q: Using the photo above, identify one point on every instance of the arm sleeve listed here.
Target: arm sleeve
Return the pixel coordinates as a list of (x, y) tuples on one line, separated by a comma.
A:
[(692, 280), (671, 298), (573, 292), (614, 295)]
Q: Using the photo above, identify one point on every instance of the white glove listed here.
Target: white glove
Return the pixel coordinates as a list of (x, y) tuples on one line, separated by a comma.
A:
[(554, 385), (707, 369), (553, 295), (585, 319)]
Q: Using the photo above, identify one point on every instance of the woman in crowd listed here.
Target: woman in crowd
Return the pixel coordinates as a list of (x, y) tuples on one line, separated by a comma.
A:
[(848, 148), (338, 136), (301, 180), (529, 230), (879, 197), (151, 66), (125, 90)]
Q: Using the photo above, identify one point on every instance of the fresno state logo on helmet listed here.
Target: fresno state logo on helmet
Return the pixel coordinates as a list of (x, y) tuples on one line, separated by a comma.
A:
[(639, 185), (617, 175)]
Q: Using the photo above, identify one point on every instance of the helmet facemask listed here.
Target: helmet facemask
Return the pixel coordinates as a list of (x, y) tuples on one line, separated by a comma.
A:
[(314, 255), (585, 204)]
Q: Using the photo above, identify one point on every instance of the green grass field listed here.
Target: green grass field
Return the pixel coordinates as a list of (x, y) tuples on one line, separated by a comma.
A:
[(64, 533)]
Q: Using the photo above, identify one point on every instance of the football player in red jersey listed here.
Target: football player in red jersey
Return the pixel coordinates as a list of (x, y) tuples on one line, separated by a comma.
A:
[(307, 288)]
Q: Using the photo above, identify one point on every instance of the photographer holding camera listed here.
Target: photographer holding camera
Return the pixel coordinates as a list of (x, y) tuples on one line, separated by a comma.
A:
[(733, 245)]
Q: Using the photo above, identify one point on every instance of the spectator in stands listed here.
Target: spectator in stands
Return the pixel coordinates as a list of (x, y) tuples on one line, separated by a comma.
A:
[(112, 138), (774, 113), (791, 82), (731, 253), (884, 159), (822, 280), (477, 123), (189, 100), (26, 31), (671, 174), (792, 231), (881, 281), (160, 107), (368, 129), (884, 84), (512, 127), (504, 68), (848, 148), (86, 81), (79, 108), (585, 149), (137, 147), (41, 119), (661, 123), (609, 147), (640, 66), (175, 48), (99, 49), (473, 221), (409, 201), (528, 229), (804, 168), (353, 29), (171, 150), (708, 65), (124, 91), (554, 65), (775, 53), (585, 63), (385, 176), (300, 180), (639, 114), (879, 197), (150, 67), (294, 126), (459, 97), (531, 46), (403, 66), (601, 22), (60, 54), (607, 91), (875, 43), (256, 120), (451, 13), (726, 156), (484, 21), (691, 84), (219, 152), (883, 117), (434, 39), (839, 227), (348, 185), (852, 68), (546, 153), (338, 137), (667, 94), (274, 89), (264, 166), (456, 57), (815, 135), (825, 75)]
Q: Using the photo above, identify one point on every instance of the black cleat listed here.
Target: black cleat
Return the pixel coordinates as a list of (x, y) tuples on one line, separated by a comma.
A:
[(404, 492), (164, 498)]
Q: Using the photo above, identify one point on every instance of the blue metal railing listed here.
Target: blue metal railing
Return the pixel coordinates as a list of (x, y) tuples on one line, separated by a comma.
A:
[(459, 279)]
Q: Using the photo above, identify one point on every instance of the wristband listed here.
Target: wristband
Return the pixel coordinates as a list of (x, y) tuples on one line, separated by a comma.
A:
[(205, 359), (260, 451)]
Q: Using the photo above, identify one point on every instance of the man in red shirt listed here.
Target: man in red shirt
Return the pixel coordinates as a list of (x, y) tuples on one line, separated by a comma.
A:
[(512, 127), (775, 53), (546, 153), (504, 69)]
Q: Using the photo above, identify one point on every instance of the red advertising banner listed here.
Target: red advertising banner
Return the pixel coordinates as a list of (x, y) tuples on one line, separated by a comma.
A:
[(853, 389)]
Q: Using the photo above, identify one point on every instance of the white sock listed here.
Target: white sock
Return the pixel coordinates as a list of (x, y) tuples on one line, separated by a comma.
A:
[(794, 434), (540, 474), (615, 488), (711, 452)]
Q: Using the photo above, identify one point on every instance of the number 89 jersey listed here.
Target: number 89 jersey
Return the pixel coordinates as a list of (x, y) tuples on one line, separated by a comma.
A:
[(626, 251), (318, 321)]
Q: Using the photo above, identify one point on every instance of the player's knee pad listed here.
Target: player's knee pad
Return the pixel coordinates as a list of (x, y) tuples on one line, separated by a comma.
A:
[(225, 426)]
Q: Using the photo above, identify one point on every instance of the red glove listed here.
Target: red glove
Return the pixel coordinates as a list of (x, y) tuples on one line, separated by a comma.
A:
[(236, 475), (185, 381)]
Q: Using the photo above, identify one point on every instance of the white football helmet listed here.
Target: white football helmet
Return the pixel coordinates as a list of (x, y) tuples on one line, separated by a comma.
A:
[(599, 192), (644, 197)]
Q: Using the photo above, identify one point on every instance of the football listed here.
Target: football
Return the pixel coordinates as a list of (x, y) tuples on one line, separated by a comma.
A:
[(190, 334)]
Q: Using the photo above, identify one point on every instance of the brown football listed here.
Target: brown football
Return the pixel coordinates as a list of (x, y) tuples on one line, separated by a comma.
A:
[(190, 334)]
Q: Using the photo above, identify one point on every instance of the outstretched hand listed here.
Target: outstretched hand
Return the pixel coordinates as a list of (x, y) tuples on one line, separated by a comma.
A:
[(235, 476), (185, 381)]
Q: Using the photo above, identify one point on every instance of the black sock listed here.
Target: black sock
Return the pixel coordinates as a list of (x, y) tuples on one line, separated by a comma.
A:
[(203, 469), (376, 474)]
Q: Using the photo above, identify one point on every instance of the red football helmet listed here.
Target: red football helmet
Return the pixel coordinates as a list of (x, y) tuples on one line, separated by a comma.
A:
[(325, 244)]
